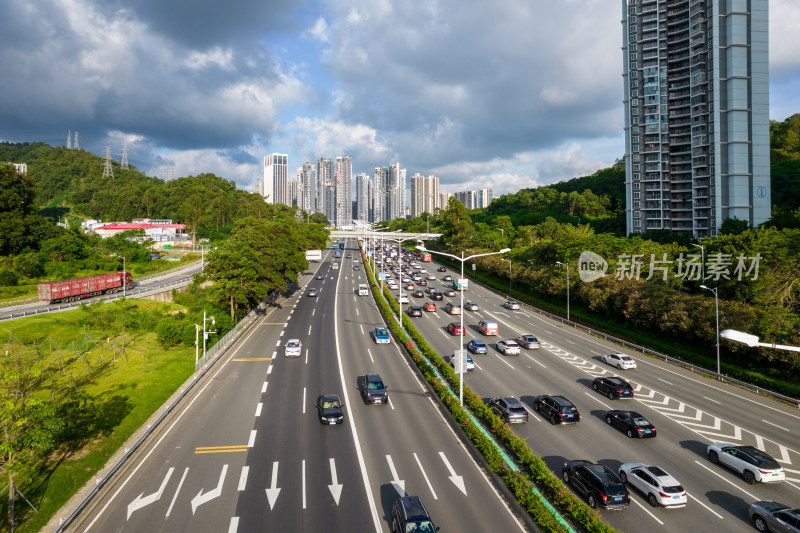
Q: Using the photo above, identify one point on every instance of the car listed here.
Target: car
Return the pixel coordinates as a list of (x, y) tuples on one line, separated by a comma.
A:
[(487, 327), (557, 409), (528, 341), (330, 409), (381, 335), (632, 423), (441, 269), (437, 296), (373, 391), (402, 299), (418, 294), (431, 290), (597, 483), (319, 276), (334, 266), (356, 267), (470, 363), (660, 488), (509, 409), (449, 292), (472, 306), (410, 286), (448, 278), (312, 291), (507, 347), (430, 307), (613, 387), (410, 515), (619, 360), (455, 328), (511, 304), (774, 516), (430, 277), (477, 346), (415, 310), (753, 464), (348, 256), (452, 309), (293, 348), (422, 283)]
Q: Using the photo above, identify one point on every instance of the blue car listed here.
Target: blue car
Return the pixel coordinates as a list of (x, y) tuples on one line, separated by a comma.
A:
[(476, 346), (381, 335)]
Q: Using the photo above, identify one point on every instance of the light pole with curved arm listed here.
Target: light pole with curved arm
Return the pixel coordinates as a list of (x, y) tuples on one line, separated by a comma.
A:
[(566, 265), (715, 290), (461, 336)]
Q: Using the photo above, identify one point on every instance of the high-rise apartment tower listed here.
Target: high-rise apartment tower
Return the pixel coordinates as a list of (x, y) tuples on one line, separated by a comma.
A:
[(275, 179)]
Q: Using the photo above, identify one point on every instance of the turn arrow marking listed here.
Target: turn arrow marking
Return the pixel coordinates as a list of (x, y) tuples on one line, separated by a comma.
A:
[(139, 502), (201, 498), (399, 484), (273, 491), (458, 481), (335, 487)]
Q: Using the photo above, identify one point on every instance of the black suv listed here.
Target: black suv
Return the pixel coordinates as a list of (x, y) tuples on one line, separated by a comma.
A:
[(408, 514), (509, 409), (597, 483), (557, 408), (615, 388), (373, 390)]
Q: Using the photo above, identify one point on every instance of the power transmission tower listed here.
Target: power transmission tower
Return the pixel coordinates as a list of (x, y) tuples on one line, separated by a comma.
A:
[(124, 163), (169, 170), (69, 140), (108, 171), (75, 144)]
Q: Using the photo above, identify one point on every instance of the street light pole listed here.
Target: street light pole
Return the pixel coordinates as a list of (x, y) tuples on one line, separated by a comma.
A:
[(715, 290), (566, 265), (702, 260), (509, 275), (124, 278), (461, 336)]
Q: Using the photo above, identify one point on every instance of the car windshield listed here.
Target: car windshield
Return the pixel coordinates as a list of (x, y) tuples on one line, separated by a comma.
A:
[(420, 527), (331, 404), (375, 385), (294, 344)]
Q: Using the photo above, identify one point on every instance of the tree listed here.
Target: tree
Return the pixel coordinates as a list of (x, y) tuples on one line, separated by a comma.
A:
[(236, 273), (733, 226)]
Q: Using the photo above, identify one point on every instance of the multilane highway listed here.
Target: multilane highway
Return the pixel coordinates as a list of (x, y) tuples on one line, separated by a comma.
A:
[(246, 451), (688, 410)]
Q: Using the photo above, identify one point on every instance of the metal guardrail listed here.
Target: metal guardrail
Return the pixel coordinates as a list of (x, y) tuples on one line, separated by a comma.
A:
[(216, 351), (133, 293), (648, 351)]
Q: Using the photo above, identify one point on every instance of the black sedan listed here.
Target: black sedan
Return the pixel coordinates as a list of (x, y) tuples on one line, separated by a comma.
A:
[(437, 296), (442, 269), (319, 276), (415, 310), (330, 409), (418, 294), (632, 423), (613, 387)]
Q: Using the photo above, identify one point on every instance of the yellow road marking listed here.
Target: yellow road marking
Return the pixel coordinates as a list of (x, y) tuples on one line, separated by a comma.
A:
[(221, 449), (244, 449)]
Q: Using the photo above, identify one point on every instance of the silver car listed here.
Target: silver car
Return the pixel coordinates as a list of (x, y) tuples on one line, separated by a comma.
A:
[(511, 304), (293, 348), (774, 516)]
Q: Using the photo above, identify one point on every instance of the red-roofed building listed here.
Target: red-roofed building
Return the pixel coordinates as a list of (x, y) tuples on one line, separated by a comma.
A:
[(159, 232)]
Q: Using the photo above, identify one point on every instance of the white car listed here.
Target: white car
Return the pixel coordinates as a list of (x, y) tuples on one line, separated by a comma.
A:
[(293, 348), (402, 299), (619, 360), (507, 347), (753, 464), (655, 484), (430, 277), (511, 304)]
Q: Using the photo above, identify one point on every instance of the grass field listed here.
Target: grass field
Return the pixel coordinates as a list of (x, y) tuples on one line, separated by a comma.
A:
[(126, 391)]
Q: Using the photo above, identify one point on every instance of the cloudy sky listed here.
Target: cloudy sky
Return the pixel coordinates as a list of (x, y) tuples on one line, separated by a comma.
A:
[(508, 93)]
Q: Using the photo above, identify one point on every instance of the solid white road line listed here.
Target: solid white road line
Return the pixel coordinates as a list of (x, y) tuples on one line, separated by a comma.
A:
[(303, 474), (776, 425), (698, 463), (642, 507), (709, 509), (425, 475), (503, 359), (177, 491), (535, 361), (598, 401)]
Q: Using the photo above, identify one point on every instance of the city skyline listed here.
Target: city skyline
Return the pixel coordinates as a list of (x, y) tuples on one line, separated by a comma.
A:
[(353, 78)]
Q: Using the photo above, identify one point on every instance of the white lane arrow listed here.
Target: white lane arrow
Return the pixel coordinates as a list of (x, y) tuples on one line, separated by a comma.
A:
[(335, 487), (201, 498), (139, 502), (458, 481), (273, 491), (399, 484)]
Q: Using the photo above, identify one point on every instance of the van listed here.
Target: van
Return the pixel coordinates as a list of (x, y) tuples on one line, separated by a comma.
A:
[(335, 266), (363, 290), (487, 327)]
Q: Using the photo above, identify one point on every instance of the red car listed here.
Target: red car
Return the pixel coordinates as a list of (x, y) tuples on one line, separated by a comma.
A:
[(430, 306), (455, 328)]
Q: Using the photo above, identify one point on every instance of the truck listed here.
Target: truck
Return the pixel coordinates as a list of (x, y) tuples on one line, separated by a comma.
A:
[(460, 284), (426, 258), (72, 290), (313, 255), (337, 254)]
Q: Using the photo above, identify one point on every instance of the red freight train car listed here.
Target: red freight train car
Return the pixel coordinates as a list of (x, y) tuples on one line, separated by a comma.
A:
[(72, 290)]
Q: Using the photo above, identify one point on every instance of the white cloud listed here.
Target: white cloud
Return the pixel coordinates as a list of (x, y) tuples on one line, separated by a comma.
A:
[(319, 31), (216, 56)]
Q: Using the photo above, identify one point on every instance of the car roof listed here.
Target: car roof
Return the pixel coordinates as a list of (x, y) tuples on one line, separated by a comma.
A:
[(605, 474), (477, 341), (413, 508), (618, 381), (330, 397), (561, 400), (373, 377), (511, 401)]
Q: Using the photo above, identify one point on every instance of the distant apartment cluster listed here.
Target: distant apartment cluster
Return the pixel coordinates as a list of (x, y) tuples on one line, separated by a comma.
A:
[(696, 106), (328, 187)]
